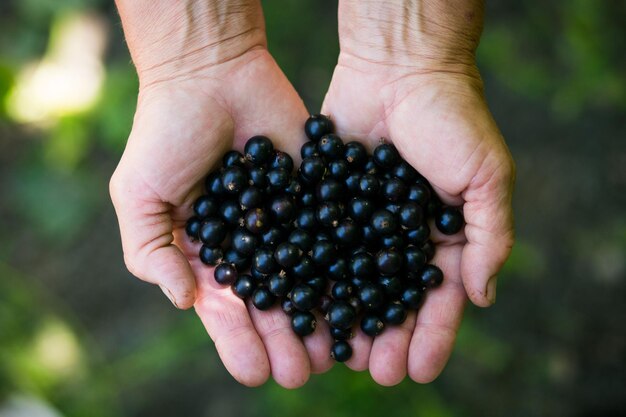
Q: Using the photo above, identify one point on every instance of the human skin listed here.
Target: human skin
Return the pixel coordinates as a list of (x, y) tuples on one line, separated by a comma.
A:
[(407, 73), (207, 83)]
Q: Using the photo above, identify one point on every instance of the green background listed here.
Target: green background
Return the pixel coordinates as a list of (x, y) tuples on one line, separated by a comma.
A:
[(80, 337)]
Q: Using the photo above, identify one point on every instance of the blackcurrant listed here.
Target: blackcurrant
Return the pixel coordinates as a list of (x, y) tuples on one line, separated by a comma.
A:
[(369, 185), (257, 220), (355, 155), (418, 236), (341, 315), (394, 313), (213, 184), (262, 298), (372, 296), (258, 150), (279, 283), (371, 325), (306, 219), (341, 351), (361, 209), (392, 286), (211, 255), (386, 155), (389, 261), (363, 266), (303, 323), (304, 269), (384, 222), (212, 232), (330, 189), (312, 169), (431, 276), (278, 178), (330, 146), (263, 261), (410, 215), (273, 236), (338, 169), (205, 206), (411, 297), (428, 248), (287, 306), (225, 273), (233, 158), (323, 252), (419, 194), (244, 242), (230, 211), (283, 209), (281, 160), (302, 239), (405, 172), (287, 254), (414, 258), (251, 197), (304, 298), (338, 270), (347, 233), (394, 190), (234, 179), (192, 228), (342, 290), (309, 149), (341, 334), (449, 220), (258, 177), (241, 262), (328, 213), (317, 125), (244, 286)]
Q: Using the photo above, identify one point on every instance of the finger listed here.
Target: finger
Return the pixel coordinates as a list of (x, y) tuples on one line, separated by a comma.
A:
[(146, 231), (289, 362), (318, 346), (438, 319), (361, 348), (228, 323), (489, 228), (390, 351)]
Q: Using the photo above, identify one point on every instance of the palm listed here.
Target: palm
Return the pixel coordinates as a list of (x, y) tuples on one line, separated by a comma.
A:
[(441, 126), (181, 129)]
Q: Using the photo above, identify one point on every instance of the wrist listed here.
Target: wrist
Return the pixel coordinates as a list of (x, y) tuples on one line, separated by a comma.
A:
[(420, 36), (171, 39)]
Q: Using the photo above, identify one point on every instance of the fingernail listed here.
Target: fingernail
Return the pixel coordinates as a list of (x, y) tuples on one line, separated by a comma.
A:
[(169, 295), (491, 289)]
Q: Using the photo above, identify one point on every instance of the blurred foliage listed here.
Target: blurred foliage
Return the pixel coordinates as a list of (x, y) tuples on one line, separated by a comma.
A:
[(79, 336)]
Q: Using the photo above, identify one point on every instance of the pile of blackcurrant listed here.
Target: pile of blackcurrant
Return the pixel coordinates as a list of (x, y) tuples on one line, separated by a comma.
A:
[(346, 235)]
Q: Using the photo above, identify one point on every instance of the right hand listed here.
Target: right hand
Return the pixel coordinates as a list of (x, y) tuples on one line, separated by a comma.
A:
[(182, 127)]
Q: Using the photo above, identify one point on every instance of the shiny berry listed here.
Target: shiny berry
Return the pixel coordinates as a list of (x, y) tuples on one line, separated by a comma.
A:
[(318, 283), (412, 297), (405, 172), (241, 262), (212, 232), (251, 197), (389, 261), (386, 155), (372, 296), (287, 306), (363, 266), (419, 193), (341, 315), (304, 269), (394, 313), (449, 220), (308, 150), (258, 150), (330, 146), (263, 261), (306, 219), (352, 183), (330, 189), (283, 209), (303, 323), (273, 236), (347, 233), (391, 286), (307, 198), (341, 351), (329, 213), (225, 273), (323, 252), (258, 177), (312, 169), (338, 270), (369, 185), (338, 169), (257, 220), (234, 179), (394, 241), (410, 215), (431, 276), (428, 248), (294, 188), (192, 228), (213, 184), (244, 242), (205, 206), (318, 125), (281, 160), (324, 303), (278, 178), (361, 209), (418, 236), (304, 298), (211, 255), (394, 190), (233, 158), (370, 167), (244, 286), (341, 334), (371, 325), (384, 222), (302, 239), (230, 211), (279, 283), (414, 259), (355, 155), (342, 290), (287, 254), (262, 298)]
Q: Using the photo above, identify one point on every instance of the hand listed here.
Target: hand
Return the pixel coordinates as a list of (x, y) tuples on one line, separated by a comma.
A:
[(438, 120), (185, 121)]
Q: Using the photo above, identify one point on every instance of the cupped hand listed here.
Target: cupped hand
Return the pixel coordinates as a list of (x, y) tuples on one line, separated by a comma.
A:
[(182, 127), (441, 125)]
